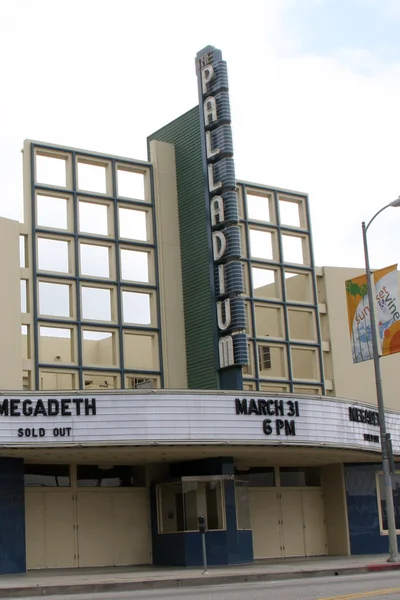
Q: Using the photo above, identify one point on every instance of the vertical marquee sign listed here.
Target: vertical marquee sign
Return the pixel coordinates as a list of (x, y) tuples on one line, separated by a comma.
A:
[(223, 211)]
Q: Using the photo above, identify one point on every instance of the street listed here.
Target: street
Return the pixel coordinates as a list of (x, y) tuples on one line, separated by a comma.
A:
[(381, 586)]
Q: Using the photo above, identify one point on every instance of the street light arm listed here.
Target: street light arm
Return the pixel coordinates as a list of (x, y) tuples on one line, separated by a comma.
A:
[(394, 203), (376, 214)]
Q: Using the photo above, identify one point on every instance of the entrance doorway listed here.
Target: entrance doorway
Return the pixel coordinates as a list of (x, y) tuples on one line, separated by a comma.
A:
[(78, 526), (287, 518), (287, 523)]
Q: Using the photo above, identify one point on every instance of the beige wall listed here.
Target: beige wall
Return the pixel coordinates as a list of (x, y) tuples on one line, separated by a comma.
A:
[(51, 347), (97, 352), (350, 380), (335, 510), (105, 351), (299, 288), (305, 363), (100, 352), (269, 321), (10, 315), (141, 351), (302, 324), (57, 381), (172, 317)]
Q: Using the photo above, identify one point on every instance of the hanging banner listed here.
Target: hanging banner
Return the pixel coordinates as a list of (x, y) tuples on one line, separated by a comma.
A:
[(387, 313)]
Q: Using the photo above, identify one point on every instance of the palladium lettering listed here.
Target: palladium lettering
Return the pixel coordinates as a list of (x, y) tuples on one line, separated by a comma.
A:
[(223, 207)]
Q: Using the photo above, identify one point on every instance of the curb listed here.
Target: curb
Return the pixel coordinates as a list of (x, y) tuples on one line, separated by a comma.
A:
[(152, 584), (383, 567)]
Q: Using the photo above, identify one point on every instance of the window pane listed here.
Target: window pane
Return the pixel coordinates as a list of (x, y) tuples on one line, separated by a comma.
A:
[(289, 213), (24, 296), (96, 304), (301, 324), (132, 224), (54, 299), (99, 348), (305, 363), (257, 207), (134, 265), (269, 321), (258, 476), (214, 512), (272, 361), (180, 505), (292, 249), (130, 184), (47, 476), (22, 251), (53, 380), (170, 508), (264, 358), (396, 500), (53, 255), (51, 212), (141, 383), (298, 286), (55, 345), (300, 477), (140, 351), (94, 381), (191, 510), (261, 244), (51, 170), (25, 341), (95, 260), (242, 505), (265, 283), (110, 476), (93, 218), (136, 308), (92, 177)]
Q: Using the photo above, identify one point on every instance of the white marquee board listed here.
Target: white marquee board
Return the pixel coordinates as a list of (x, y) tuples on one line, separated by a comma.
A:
[(191, 418)]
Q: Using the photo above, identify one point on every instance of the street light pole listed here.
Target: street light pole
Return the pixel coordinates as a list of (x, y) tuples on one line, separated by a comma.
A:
[(393, 549)]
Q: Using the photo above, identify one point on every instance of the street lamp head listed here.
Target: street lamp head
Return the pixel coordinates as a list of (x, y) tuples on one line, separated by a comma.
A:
[(396, 203)]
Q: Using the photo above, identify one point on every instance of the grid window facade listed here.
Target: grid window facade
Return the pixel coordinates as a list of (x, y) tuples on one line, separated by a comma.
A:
[(92, 291), (284, 328)]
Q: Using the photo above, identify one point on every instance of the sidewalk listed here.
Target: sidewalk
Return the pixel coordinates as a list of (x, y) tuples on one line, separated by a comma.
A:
[(119, 579)]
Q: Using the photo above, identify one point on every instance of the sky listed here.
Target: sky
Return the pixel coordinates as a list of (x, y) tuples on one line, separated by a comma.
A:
[(314, 91)]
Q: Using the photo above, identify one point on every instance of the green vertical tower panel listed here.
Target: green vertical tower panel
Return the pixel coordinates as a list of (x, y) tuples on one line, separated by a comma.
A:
[(199, 308)]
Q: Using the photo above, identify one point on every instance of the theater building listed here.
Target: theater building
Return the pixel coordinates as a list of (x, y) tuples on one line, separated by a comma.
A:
[(171, 350)]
